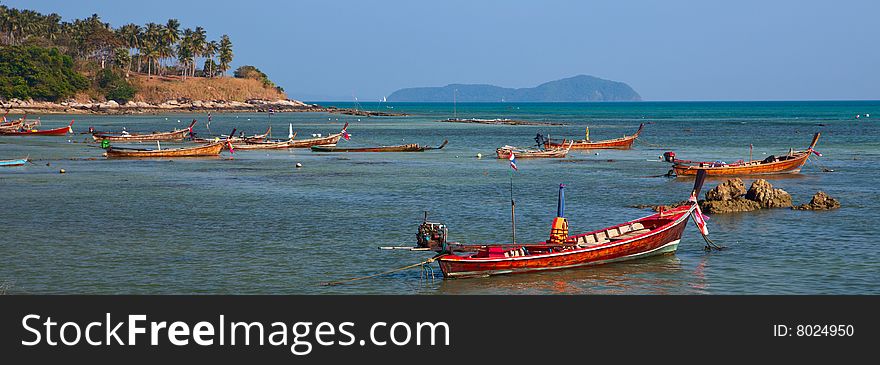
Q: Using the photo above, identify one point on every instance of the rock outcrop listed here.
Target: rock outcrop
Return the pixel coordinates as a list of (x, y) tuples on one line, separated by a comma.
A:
[(820, 201), (729, 206), (731, 196), (730, 189), (763, 192)]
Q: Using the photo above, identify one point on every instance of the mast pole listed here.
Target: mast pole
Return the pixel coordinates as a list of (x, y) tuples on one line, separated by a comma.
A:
[(454, 107), (512, 209)]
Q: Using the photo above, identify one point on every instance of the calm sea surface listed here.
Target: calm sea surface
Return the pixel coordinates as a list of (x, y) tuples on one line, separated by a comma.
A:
[(255, 224)]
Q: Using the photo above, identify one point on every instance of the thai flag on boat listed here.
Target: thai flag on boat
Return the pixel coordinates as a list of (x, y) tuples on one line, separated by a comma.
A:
[(512, 159), (345, 133)]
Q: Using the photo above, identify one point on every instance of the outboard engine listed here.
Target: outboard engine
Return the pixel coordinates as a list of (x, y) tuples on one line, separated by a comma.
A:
[(669, 156), (432, 235)]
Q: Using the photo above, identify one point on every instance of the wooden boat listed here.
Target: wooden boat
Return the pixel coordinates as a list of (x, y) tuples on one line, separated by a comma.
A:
[(655, 234), (787, 164), (210, 149), (330, 140), (263, 145), (175, 135), (257, 138), (17, 162), (624, 142), (505, 151), (36, 132), (292, 142), (412, 147)]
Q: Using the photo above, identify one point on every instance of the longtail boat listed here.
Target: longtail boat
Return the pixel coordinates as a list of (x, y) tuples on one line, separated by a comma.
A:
[(330, 140), (655, 234), (265, 145), (412, 147), (624, 142), (175, 135), (790, 163), (257, 138), (557, 152), (18, 162), (36, 132), (292, 142), (210, 149)]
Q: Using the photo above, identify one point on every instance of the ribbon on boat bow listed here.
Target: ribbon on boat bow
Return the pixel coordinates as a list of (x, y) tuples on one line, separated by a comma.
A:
[(699, 218)]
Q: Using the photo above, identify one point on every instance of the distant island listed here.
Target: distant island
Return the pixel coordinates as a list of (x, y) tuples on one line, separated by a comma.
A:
[(573, 89)]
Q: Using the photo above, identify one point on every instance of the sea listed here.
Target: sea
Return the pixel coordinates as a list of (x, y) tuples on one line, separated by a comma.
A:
[(255, 223)]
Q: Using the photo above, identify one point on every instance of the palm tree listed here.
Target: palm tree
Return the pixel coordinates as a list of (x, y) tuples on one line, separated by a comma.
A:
[(129, 34), (225, 53), (170, 36), (199, 40), (210, 51), (185, 51), (149, 45)]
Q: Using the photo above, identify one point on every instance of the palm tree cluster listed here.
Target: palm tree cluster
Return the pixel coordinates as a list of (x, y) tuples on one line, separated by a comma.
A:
[(159, 49)]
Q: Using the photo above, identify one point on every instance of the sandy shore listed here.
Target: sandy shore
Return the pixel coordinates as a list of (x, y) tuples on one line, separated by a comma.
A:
[(178, 106)]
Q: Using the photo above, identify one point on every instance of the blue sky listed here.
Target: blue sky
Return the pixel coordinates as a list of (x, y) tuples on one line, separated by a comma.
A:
[(666, 50)]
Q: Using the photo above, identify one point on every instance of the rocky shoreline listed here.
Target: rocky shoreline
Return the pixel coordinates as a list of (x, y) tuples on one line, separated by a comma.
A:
[(111, 107)]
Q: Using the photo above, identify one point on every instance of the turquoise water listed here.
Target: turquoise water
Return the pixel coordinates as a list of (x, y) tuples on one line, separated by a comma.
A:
[(255, 224)]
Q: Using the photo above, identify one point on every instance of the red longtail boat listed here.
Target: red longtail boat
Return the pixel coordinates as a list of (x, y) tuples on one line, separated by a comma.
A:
[(786, 164), (36, 132), (656, 234), (624, 142)]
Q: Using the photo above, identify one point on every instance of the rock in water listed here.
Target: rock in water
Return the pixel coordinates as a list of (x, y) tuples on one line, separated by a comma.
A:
[(820, 201), (763, 192), (729, 206), (730, 189)]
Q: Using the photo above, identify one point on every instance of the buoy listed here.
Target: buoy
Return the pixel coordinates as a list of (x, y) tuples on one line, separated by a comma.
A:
[(299, 165), (479, 155), (597, 153), (62, 171)]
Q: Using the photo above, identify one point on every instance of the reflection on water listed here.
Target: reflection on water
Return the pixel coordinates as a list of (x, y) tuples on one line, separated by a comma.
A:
[(662, 274)]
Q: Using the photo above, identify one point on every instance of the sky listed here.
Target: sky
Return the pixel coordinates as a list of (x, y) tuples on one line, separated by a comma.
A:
[(666, 50)]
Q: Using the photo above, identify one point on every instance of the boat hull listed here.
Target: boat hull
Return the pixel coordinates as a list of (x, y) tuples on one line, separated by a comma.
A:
[(660, 240), (177, 135), (9, 163), (402, 148), (791, 166), (320, 141), (503, 153), (623, 143), (46, 132), (208, 150)]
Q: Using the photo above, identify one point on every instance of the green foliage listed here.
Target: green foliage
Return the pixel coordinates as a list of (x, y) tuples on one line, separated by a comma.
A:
[(28, 72), (251, 72), (114, 86)]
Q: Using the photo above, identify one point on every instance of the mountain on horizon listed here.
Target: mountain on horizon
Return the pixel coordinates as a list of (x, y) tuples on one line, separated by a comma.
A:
[(573, 89)]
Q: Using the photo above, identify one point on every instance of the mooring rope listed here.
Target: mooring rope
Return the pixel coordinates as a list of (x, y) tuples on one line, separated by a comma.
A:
[(407, 267), (646, 143), (709, 243), (816, 161)]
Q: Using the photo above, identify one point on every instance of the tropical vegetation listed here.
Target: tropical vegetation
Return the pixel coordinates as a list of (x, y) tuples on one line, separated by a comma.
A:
[(90, 44)]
